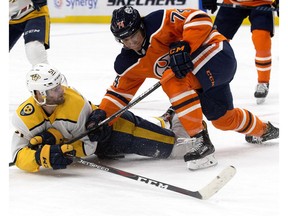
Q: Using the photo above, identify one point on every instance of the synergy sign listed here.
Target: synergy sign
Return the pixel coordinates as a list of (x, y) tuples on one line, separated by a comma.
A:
[(74, 4)]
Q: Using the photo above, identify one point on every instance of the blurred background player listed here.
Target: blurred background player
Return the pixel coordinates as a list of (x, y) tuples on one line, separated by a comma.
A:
[(181, 42), (228, 21), (30, 18), (56, 112)]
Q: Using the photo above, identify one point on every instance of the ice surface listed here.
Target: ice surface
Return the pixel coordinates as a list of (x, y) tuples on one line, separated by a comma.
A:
[(85, 54)]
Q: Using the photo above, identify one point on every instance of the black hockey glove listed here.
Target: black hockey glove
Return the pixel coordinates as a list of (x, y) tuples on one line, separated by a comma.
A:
[(51, 137), (180, 59), (102, 133), (210, 5), (53, 156), (36, 5)]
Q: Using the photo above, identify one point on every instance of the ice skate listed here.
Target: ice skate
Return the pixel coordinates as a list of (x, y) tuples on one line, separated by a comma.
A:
[(271, 133), (200, 151), (261, 92)]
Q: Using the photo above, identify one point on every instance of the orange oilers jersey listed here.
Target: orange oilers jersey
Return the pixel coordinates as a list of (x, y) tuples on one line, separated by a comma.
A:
[(162, 27), (248, 2)]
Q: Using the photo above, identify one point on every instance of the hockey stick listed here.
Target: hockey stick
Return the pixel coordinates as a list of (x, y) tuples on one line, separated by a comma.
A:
[(205, 193), (260, 8), (124, 109), (119, 112)]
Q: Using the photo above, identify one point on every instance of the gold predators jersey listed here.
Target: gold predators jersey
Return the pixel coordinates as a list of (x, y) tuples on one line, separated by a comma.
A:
[(69, 118), (23, 10)]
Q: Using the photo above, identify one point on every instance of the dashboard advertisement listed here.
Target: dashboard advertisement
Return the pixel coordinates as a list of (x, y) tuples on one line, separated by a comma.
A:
[(100, 11)]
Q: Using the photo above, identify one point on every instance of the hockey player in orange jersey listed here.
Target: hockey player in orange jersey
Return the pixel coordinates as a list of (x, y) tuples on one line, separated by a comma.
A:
[(228, 21), (182, 43)]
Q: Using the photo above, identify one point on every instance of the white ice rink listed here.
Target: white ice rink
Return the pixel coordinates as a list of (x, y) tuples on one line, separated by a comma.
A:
[(85, 54)]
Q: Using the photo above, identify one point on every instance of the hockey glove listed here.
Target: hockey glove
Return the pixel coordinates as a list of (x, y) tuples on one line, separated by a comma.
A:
[(36, 5), (50, 137), (52, 156), (102, 133), (210, 5), (180, 59)]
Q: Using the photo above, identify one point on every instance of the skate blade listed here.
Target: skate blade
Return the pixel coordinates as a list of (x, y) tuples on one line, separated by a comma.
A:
[(202, 163), (260, 100)]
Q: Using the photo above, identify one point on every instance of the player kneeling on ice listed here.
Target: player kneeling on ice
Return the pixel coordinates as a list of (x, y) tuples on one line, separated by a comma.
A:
[(56, 113), (181, 43)]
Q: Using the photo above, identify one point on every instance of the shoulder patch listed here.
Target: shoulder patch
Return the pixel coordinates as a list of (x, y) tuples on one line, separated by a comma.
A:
[(27, 110)]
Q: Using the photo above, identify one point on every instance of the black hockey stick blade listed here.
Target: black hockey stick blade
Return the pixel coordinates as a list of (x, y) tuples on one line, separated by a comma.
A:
[(205, 193)]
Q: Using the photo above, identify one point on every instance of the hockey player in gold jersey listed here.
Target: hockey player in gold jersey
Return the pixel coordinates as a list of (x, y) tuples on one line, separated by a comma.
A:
[(56, 112)]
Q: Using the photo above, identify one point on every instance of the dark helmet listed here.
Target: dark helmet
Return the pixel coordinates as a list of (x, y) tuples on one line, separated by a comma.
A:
[(125, 22)]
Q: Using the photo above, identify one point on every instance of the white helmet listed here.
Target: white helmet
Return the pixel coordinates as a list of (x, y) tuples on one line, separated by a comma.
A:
[(43, 77)]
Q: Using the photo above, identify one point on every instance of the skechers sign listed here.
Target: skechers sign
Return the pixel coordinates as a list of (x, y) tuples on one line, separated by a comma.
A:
[(146, 2)]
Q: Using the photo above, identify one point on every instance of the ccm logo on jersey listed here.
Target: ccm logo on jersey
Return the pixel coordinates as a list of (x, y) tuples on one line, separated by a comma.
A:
[(27, 110), (210, 76)]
